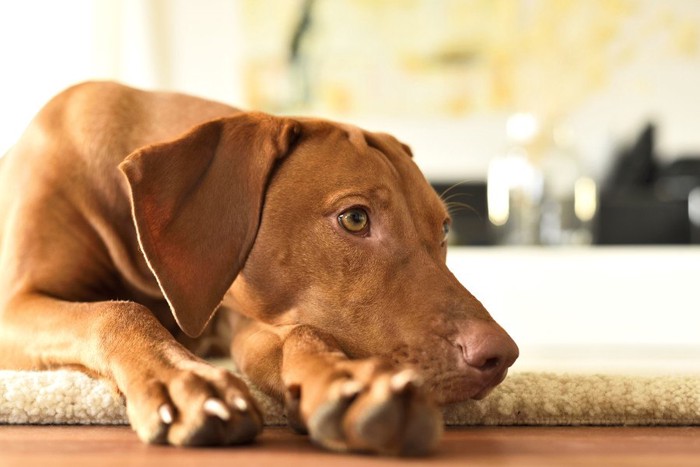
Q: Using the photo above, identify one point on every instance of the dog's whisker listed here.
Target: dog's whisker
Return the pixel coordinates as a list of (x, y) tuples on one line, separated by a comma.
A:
[(452, 187), (456, 195), (458, 204), (165, 412), (216, 408), (454, 204)]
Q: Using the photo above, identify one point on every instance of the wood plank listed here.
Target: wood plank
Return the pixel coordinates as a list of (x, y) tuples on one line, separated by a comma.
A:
[(477, 446)]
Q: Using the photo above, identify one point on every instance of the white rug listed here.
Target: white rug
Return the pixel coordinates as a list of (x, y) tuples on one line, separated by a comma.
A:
[(531, 398)]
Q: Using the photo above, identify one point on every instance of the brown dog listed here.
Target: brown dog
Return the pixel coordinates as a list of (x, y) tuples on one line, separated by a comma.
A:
[(128, 218)]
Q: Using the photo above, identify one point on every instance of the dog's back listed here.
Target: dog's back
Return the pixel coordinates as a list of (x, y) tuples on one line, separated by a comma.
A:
[(63, 196), (97, 124)]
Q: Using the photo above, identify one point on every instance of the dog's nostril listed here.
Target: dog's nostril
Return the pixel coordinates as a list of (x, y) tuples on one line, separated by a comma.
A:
[(463, 351), (477, 360), (485, 347), (490, 364)]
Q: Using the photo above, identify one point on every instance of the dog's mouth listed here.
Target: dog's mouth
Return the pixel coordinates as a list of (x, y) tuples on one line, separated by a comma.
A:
[(488, 388), (448, 376), (459, 386)]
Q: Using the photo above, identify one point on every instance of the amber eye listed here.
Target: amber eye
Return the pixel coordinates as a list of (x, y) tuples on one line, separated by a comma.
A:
[(445, 231), (354, 220)]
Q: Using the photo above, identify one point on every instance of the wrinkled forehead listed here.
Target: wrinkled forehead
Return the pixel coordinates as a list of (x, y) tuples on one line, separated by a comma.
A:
[(346, 150), (333, 157)]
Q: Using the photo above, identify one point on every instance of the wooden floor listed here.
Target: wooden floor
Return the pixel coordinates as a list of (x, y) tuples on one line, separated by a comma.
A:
[(521, 446)]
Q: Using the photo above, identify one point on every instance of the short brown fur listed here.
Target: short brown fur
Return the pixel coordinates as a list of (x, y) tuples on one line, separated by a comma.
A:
[(128, 218)]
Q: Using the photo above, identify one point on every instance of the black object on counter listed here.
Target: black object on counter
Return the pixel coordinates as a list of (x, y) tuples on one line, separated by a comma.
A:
[(643, 202)]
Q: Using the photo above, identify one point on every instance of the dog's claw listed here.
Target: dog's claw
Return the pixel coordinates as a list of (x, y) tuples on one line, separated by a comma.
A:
[(240, 404), (216, 408), (350, 389), (165, 412), (403, 379)]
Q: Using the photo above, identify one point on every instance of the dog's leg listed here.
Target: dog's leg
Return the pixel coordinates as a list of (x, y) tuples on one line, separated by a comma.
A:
[(171, 395), (345, 405)]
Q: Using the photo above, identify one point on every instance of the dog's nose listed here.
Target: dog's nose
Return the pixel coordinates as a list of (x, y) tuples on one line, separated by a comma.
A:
[(486, 347)]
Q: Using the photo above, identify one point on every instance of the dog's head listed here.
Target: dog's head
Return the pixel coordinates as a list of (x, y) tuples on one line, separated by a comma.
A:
[(321, 224)]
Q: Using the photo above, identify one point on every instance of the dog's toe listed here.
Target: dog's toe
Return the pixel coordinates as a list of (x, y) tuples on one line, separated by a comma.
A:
[(394, 418), (388, 414), (194, 408), (150, 412), (326, 423)]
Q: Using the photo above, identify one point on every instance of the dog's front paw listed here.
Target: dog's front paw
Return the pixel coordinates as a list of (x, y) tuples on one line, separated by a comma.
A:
[(366, 407), (197, 406)]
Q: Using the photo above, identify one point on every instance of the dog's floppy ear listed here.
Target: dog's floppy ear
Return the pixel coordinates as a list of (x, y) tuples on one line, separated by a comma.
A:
[(196, 203)]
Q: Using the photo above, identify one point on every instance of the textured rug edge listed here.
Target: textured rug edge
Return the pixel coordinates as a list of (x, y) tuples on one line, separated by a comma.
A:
[(532, 398), (560, 399)]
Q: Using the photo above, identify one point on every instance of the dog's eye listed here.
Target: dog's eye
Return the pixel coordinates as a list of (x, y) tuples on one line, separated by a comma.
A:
[(355, 220), (445, 231)]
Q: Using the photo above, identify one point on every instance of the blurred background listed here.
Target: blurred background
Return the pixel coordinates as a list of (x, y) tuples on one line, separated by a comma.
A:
[(542, 122), (582, 116)]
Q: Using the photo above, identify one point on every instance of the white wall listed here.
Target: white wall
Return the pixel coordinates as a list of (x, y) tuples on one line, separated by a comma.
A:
[(48, 45), (623, 309), (44, 46)]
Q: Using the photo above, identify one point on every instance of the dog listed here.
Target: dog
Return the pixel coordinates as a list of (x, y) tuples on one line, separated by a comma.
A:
[(142, 231)]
